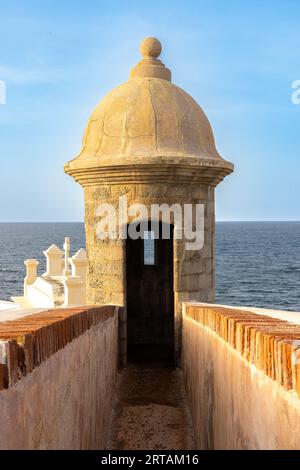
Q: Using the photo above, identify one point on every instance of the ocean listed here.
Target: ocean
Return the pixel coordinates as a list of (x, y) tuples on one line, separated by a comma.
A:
[(257, 263)]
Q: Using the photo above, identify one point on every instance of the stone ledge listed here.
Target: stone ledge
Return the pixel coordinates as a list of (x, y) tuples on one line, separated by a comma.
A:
[(28, 341), (272, 345), (145, 170)]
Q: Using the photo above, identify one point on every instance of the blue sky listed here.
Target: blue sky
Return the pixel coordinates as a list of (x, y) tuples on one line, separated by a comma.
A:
[(237, 59)]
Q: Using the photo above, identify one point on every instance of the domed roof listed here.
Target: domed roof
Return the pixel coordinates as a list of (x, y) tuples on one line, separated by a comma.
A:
[(145, 120)]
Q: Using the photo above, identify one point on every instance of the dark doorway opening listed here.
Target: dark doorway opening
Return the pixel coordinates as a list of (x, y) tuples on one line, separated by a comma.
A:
[(150, 296)]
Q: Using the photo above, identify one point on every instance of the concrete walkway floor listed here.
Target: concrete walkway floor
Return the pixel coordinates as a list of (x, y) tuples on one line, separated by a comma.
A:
[(151, 411)]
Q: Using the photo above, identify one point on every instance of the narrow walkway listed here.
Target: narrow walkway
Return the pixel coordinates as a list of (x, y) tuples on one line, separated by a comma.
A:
[(151, 412)]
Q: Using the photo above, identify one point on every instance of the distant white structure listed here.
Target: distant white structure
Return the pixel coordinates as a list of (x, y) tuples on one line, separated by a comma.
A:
[(62, 285)]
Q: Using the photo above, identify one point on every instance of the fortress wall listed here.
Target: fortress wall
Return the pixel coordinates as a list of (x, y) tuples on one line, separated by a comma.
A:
[(242, 377), (58, 377)]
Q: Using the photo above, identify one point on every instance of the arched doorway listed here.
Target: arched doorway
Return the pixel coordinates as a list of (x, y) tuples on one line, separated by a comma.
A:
[(150, 296)]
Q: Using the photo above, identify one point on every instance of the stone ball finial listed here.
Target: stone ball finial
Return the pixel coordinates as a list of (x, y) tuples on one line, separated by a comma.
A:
[(150, 48)]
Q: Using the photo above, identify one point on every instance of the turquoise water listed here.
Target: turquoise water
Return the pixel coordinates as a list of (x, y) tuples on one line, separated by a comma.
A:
[(257, 263)]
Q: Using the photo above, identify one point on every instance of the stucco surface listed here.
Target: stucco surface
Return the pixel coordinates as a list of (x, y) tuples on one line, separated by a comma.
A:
[(233, 404), (66, 402), (132, 120)]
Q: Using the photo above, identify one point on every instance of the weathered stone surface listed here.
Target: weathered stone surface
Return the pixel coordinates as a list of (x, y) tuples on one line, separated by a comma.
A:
[(161, 120), (193, 270)]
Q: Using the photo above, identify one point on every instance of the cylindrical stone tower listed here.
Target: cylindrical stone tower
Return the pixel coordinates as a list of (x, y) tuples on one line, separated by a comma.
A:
[(150, 141)]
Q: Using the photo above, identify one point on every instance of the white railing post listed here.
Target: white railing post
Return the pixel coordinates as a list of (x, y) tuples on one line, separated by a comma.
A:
[(67, 271), (54, 261), (31, 273)]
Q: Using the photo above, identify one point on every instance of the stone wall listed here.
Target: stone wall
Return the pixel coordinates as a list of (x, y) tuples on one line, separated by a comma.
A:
[(58, 377), (242, 376), (193, 270)]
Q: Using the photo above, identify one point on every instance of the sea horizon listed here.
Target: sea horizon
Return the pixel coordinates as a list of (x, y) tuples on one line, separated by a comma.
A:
[(257, 262), (82, 222)]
